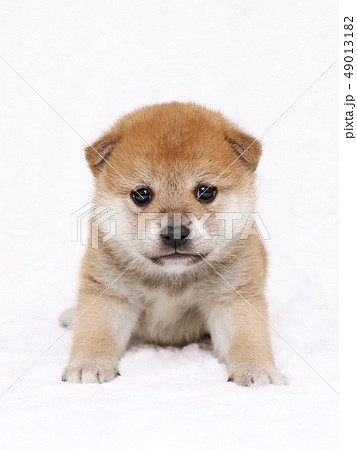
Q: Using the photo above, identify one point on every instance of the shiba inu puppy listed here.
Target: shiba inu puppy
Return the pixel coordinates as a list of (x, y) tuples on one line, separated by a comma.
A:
[(179, 182)]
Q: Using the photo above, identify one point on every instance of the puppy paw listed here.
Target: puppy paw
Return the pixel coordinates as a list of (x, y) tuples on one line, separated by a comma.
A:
[(67, 317), (90, 371), (258, 376)]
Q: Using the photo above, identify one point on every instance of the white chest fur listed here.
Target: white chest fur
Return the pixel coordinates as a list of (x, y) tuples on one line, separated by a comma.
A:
[(169, 318)]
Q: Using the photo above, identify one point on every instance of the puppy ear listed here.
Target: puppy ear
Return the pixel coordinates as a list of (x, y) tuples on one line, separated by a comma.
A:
[(248, 149), (97, 153)]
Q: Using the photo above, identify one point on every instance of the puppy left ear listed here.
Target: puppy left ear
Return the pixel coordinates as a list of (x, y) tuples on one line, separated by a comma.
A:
[(97, 153), (248, 148)]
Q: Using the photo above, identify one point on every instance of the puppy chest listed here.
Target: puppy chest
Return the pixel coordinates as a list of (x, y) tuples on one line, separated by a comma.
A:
[(163, 309), (168, 320)]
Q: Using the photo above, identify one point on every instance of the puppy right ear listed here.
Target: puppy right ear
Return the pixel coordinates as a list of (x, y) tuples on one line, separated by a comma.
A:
[(247, 148), (97, 153)]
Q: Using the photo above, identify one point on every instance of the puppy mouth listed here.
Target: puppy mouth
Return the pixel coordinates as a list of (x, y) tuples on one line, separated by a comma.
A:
[(177, 257)]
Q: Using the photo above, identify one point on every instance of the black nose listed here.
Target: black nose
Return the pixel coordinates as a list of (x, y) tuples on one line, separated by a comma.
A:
[(175, 237)]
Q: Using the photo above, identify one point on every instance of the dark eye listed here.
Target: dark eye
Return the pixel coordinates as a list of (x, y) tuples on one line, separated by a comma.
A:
[(206, 193), (142, 196)]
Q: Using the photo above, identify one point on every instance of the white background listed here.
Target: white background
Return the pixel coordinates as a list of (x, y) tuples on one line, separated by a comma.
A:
[(92, 62)]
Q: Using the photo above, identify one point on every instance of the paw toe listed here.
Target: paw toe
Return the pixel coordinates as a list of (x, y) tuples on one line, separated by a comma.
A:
[(258, 377), (90, 372)]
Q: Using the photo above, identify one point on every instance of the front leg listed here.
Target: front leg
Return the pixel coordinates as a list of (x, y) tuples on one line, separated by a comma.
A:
[(101, 335), (241, 338)]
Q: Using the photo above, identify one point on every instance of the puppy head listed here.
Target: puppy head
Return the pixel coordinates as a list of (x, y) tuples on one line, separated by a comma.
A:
[(180, 179)]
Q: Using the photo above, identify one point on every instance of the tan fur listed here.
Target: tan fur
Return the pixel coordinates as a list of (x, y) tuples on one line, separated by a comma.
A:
[(171, 149)]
